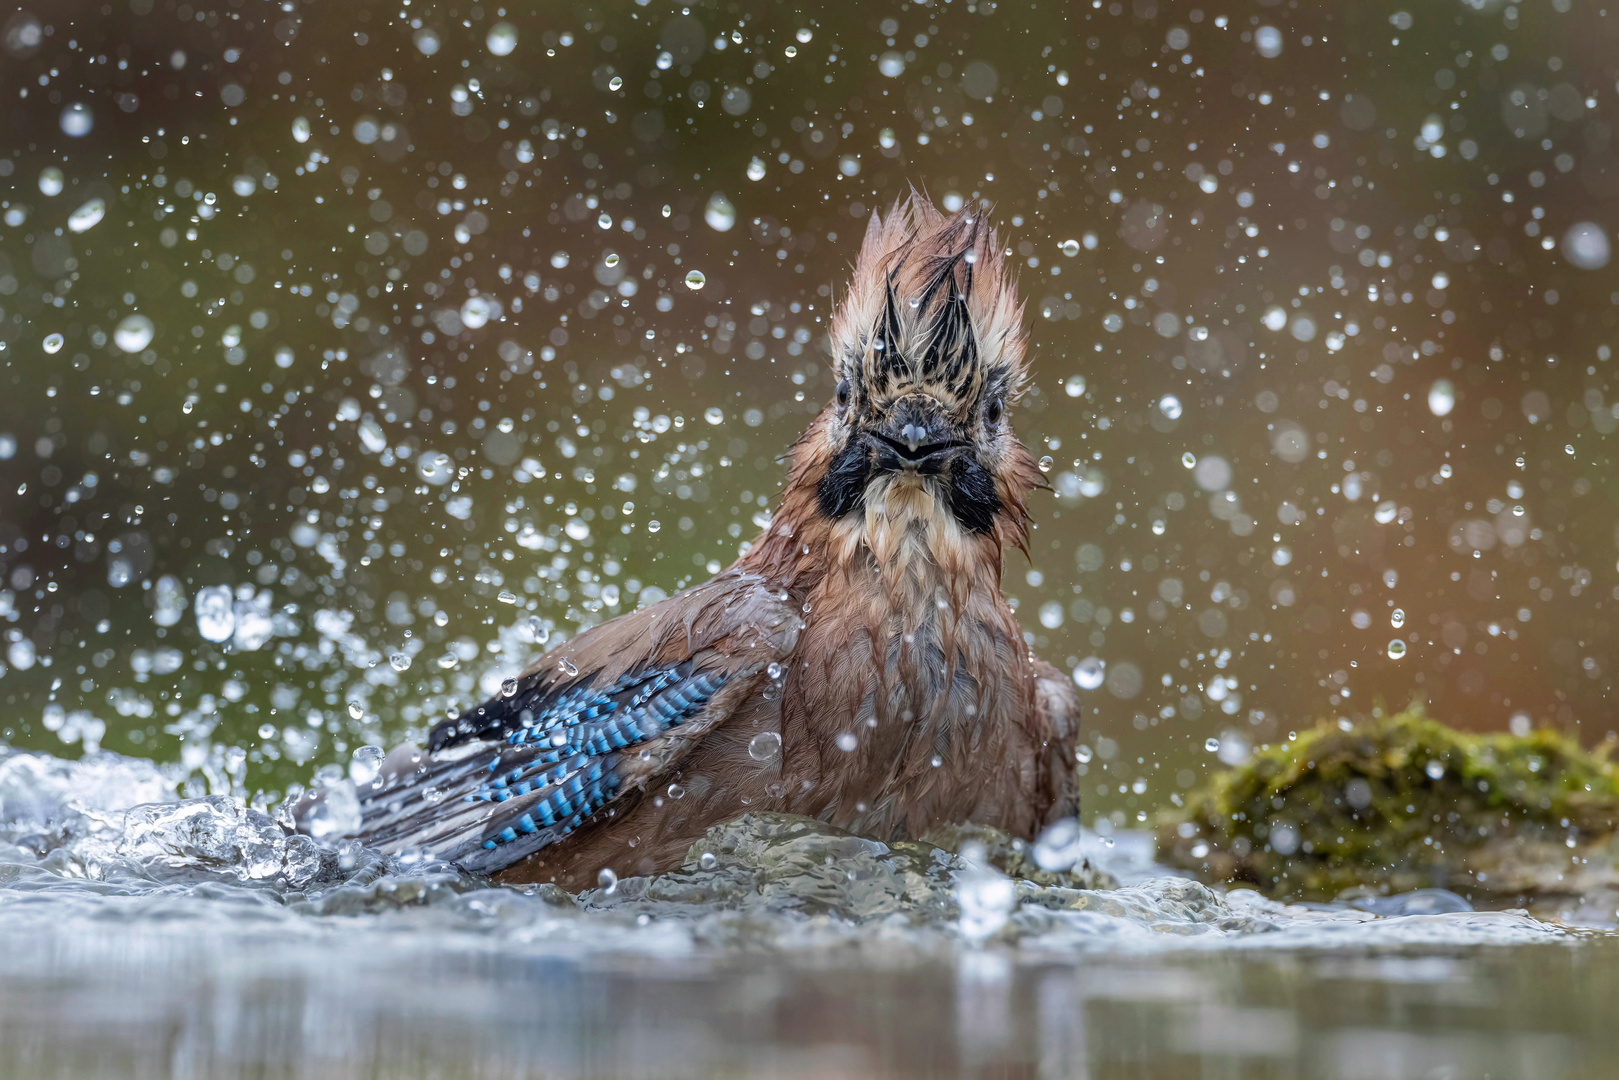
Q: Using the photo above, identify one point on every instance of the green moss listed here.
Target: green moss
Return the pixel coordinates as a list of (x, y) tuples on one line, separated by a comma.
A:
[(1404, 802)]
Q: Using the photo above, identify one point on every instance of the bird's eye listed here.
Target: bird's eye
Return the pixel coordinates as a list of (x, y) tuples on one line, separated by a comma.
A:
[(843, 393), (992, 412)]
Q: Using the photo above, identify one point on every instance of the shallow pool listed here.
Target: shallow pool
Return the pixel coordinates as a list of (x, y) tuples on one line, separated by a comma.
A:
[(196, 939)]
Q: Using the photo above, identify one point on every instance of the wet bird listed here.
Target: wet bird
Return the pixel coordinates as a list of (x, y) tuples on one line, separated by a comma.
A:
[(859, 663)]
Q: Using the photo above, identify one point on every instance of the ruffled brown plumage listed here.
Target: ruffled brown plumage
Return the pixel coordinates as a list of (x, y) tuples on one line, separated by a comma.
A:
[(865, 628)]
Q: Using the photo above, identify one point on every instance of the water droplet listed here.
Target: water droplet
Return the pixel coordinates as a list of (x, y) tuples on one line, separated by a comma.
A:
[(77, 120), (847, 742), (538, 632), (216, 613), (244, 185), (1046, 463), (791, 51), (1397, 618), (607, 881), (719, 213), (615, 83), (804, 34), (610, 259), (891, 64), (676, 791), (356, 710), (1386, 512), (435, 467), (708, 860), (21, 654), (87, 216), (300, 130), (1074, 386), (695, 280), (1070, 248), (1396, 649), (50, 181), (1189, 459), (713, 415), (1058, 848), (559, 260), (1275, 319), (506, 596), (756, 169), (1586, 245), (427, 42), (664, 61), (765, 746), (366, 763), (477, 311), (568, 667), (399, 662), (1082, 754), (1170, 406), (508, 688), (1088, 673), (502, 39), (1441, 397), (53, 343), (1268, 40), (1434, 769), (1211, 745)]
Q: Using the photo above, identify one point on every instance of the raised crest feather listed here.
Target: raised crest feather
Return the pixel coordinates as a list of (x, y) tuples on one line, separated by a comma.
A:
[(931, 307)]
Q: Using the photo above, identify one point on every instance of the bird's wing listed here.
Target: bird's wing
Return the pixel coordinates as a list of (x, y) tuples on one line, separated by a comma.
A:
[(1057, 718), (593, 720)]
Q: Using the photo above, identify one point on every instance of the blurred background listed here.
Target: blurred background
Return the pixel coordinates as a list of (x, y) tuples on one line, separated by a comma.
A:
[(351, 353)]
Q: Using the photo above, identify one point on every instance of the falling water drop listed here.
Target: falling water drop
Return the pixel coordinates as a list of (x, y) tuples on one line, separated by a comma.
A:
[(356, 710), (502, 39), (1441, 397), (366, 763), (1396, 649), (87, 216), (695, 280), (719, 213), (77, 120), (1088, 673)]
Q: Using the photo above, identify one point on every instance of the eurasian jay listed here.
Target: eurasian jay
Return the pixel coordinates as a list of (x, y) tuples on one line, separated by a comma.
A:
[(858, 663)]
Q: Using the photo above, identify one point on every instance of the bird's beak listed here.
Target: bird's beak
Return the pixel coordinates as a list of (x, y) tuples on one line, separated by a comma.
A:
[(916, 434)]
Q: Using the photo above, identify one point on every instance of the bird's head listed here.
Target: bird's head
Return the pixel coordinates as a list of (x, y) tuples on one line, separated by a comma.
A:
[(928, 347)]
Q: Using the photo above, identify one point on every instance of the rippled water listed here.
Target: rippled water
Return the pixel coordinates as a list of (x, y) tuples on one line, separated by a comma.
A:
[(198, 938)]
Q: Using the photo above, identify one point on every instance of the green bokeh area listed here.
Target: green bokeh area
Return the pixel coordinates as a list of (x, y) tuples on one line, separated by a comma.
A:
[(351, 350)]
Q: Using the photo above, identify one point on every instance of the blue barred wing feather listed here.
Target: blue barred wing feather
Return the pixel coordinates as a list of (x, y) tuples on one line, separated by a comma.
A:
[(525, 771)]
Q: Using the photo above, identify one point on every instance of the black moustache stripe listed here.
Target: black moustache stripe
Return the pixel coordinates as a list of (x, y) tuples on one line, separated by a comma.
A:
[(972, 496), (843, 489), (969, 490)]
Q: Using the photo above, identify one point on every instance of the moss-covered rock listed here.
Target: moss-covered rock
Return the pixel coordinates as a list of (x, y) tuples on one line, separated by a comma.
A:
[(1404, 802)]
